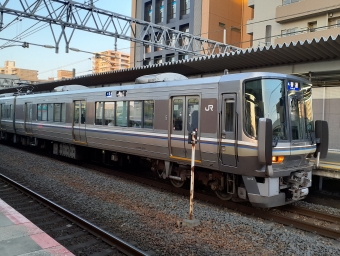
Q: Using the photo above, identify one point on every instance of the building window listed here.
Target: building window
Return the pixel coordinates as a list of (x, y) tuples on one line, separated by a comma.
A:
[(312, 26), (284, 2), (160, 11), (289, 32), (185, 7), (171, 38), (171, 9), (158, 60), (268, 34), (148, 12), (184, 40), (170, 58), (160, 40), (183, 56), (146, 62)]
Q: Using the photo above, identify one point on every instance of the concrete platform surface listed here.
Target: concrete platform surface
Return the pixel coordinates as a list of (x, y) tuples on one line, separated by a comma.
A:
[(19, 236)]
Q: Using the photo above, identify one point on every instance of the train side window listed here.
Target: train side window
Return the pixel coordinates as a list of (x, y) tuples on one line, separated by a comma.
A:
[(99, 113), (63, 112), (135, 114), (177, 110), (192, 116), (57, 110), (109, 113), (39, 107), (121, 113), (229, 115), (50, 112), (44, 112), (148, 114)]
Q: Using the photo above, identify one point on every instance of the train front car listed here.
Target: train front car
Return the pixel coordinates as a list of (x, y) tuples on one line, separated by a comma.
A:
[(276, 139)]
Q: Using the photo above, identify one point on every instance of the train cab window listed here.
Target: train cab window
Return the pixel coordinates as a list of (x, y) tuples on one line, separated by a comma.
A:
[(109, 113), (39, 108), (135, 114), (50, 112), (177, 110), (229, 115), (121, 113), (192, 117), (99, 113), (148, 113)]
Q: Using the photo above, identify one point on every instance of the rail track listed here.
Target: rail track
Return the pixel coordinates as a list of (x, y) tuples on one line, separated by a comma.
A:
[(75, 233), (328, 225)]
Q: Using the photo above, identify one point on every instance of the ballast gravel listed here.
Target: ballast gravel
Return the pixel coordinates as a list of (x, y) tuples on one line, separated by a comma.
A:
[(149, 218)]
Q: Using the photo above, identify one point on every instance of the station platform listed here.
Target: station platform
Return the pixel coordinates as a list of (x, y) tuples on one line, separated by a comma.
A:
[(328, 167), (19, 236)]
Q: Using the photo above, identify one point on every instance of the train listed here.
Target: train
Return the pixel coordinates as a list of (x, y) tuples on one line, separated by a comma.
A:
[(255, 133)]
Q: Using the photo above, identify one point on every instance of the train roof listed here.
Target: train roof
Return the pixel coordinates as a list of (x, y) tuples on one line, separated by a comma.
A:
[(163, 80)]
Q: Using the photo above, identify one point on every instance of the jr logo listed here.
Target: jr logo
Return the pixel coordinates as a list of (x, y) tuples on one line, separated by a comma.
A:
[(209, 108)]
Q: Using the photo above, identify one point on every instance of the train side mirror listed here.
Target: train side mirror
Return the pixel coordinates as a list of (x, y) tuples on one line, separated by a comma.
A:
[(265, 141), (321, 134)]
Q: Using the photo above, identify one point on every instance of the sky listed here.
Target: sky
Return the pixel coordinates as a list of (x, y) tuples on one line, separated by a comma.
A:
[(45, 60)]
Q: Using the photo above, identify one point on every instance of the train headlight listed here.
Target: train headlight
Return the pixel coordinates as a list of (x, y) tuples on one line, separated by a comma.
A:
[(278, 159)]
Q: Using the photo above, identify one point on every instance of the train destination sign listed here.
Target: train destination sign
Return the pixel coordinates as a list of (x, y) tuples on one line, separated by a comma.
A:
[(121, 93), (293, 86), (108, 94)]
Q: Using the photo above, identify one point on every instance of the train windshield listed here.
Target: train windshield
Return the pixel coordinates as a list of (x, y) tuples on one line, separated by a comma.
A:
[(300, 109), (266, 98)]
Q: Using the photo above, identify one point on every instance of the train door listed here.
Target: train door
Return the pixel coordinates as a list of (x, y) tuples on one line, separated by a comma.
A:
[(185, 118), (28, 118), (79, 121), (228, 129)]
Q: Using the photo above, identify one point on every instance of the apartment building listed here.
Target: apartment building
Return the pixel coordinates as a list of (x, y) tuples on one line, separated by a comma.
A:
[(284, 21), (110, 60), (23, 74), (64, 74), (218, 20)]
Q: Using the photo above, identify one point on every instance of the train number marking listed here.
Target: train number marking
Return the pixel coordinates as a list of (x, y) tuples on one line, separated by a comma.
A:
[(209, 108)]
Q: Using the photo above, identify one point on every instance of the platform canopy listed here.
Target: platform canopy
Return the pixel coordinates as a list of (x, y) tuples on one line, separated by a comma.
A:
[(316, 51)]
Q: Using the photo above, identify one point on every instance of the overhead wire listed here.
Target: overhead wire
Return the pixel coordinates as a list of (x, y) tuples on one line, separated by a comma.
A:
[(216, 31), (36, 29)]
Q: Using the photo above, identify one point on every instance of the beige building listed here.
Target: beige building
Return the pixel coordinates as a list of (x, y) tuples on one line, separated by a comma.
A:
[(110, 60), (64, 74), (284, 21), (23, 74)]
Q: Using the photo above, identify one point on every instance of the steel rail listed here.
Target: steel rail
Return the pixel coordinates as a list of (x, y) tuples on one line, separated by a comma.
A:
[(312, 213), (248, 210), (122, 246)]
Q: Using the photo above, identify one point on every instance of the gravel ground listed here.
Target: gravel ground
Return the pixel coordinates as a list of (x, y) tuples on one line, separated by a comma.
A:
[(149, 218)]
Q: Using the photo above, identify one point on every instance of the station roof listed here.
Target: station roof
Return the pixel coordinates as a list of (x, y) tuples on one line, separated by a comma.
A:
[(268, 56)]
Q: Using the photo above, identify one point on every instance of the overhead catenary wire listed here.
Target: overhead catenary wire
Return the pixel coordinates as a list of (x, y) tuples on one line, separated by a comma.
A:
[(36, 29)]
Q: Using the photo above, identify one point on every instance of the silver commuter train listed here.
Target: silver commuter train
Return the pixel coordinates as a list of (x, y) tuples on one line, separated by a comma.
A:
[(255, 131)]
